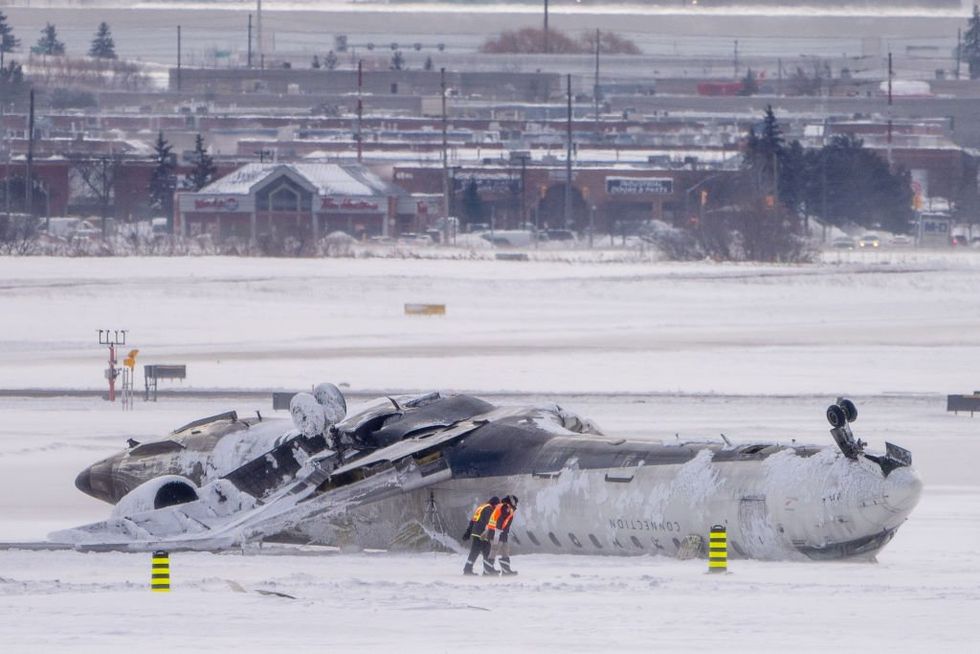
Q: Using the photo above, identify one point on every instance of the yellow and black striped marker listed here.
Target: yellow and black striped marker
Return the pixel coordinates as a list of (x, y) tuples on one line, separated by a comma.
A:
[(160, 575), (718, 549)]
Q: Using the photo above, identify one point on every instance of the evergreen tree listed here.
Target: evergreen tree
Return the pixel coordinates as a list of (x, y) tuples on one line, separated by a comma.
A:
[(472, 203), (397, 60), (970, 50), (428, 63), (851, 184), (12, 85), (763, 152), (316, 62), (793, 176), (49, 44), (103, 47), (750, 85), (163, 181), (330, 61), (204, 169), (7, 40)]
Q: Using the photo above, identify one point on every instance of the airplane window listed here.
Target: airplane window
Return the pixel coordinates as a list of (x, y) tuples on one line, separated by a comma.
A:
[(554, 539), (617, 543), (575, 541), (595, 541), (533, 539), (636, 541), (516, 539)]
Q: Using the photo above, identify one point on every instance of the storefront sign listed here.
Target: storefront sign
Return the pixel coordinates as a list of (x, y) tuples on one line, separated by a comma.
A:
[(488, 182), (348, 205), (639, 185), (216, 204)]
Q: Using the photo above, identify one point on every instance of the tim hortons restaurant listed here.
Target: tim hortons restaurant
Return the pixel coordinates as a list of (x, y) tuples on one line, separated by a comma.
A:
[(302, 200)]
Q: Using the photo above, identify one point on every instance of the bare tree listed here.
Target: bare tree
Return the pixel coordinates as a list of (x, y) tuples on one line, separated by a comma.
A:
[(94, 178)]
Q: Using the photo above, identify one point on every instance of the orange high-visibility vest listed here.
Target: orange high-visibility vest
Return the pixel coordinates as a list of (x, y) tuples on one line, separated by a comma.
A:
[(496, 517)]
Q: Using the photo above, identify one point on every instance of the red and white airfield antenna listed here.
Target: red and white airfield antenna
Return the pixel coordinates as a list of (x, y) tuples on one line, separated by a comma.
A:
[(112, 338)]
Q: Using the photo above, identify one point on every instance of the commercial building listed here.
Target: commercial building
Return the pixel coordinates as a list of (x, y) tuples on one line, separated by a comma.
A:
[(302, 201)]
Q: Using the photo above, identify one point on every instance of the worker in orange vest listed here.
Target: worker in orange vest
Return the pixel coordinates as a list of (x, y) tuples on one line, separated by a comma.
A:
[(476, 532), (498, 531)]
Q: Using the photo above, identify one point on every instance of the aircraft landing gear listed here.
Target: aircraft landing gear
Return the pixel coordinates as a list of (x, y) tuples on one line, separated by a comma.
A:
[(839, 415)]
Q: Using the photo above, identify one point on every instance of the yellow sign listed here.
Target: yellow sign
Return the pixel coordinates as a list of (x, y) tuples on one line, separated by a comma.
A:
[(425, 309), (130, 360)]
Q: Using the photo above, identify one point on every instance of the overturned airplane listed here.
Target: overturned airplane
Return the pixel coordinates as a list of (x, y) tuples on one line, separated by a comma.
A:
[(368, 478)]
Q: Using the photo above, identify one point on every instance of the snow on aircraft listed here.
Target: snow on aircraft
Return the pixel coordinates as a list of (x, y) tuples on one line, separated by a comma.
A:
[(406, 471)]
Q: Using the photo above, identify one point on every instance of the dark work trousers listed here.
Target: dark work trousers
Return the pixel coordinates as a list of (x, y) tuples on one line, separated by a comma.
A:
[(478, 547)]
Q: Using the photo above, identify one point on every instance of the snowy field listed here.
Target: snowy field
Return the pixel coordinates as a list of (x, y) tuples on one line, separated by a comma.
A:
[(901, 325), (647, 350)]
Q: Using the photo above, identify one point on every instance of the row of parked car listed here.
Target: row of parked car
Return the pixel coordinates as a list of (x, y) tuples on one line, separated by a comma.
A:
[(874, 241)]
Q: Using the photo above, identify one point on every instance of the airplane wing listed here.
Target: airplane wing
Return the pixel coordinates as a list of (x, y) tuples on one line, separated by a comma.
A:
[(321, 493)]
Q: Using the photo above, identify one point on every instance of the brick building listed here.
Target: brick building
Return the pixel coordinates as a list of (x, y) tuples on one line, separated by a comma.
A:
[(611, 195)]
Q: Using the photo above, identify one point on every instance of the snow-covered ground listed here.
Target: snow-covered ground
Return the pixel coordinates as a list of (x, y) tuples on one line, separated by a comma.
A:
[(647, 350), (900, 325)]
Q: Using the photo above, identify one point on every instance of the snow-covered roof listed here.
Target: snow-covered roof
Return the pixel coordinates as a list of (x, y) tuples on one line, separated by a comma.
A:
[(324, 178)]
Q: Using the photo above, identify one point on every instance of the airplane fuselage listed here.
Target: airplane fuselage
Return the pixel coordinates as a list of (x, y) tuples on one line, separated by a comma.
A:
[(580, 492)]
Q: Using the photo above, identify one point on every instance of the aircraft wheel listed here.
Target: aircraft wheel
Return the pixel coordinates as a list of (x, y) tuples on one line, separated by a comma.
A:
[(850, 411), (836, 416)]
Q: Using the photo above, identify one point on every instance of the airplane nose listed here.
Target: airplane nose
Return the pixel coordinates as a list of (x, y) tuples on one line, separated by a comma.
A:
[(902, 490), (97, 481), (83, 482)]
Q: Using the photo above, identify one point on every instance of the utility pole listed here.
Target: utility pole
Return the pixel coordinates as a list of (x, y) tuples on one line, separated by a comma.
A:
[(29, 183), (568, 158), (546, 50), (595, 85), (735, 59), (258, 33), (524, 190), (890, 73), (360, 110), (250, 40), (178, 58), (6, 159), (780, 76), (959, 50), (445, 158)]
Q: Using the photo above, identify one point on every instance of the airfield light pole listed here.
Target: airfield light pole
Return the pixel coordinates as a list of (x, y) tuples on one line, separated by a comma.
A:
[(112, 338)]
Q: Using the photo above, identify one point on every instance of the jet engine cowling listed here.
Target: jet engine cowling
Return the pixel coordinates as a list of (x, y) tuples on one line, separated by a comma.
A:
[(158, 493)]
